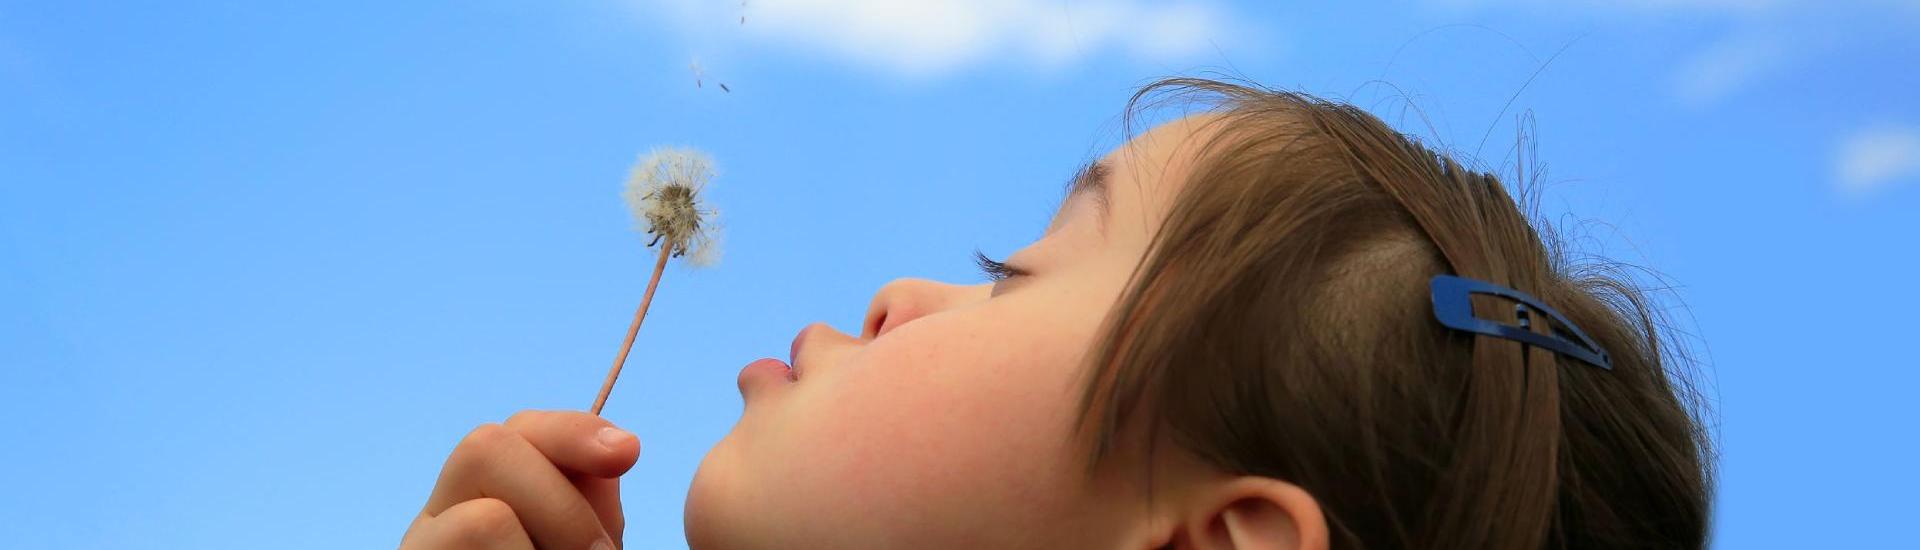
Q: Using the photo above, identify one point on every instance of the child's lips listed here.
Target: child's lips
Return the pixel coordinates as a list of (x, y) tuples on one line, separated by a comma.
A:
[(775, 371), (799, 345), (764, 371)]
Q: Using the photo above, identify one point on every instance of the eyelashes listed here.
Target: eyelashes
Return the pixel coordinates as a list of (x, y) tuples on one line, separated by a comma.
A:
[(995, 270)]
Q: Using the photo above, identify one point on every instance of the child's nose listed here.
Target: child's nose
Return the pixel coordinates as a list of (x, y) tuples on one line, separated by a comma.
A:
[(903, 300)]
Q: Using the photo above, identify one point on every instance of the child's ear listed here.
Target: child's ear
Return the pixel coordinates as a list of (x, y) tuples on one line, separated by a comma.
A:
[(1253, 513)]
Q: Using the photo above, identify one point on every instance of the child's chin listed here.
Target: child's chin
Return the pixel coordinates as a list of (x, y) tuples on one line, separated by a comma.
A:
[(704, 517), (718, 510)]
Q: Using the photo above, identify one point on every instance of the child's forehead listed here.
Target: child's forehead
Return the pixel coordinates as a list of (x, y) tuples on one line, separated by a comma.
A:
[(1137, 182), (1148, 171)]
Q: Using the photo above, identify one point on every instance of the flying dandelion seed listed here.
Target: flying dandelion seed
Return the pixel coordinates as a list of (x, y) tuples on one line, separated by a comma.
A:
[(663, 192), (700, 76)]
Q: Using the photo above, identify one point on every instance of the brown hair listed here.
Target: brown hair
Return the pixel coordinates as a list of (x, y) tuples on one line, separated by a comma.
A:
[(1280, 326)]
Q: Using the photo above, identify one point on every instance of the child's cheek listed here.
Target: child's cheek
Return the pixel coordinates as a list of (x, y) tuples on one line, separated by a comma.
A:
[(944, 418)]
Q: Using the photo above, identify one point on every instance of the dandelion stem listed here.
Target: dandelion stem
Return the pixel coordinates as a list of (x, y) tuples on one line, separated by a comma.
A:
[(645, 300)]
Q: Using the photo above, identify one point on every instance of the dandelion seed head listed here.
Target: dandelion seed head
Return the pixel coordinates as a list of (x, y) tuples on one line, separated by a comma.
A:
[(706, 247), (663, 193)]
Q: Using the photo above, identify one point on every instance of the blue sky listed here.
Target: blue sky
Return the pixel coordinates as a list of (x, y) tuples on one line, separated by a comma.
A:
[(261, 265)]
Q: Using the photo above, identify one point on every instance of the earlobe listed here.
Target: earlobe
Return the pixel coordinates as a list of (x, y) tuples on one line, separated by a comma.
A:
[(1255, 523), (1257, 513)]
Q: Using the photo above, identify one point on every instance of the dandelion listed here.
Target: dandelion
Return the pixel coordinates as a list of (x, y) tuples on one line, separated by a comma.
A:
[(663, 191)]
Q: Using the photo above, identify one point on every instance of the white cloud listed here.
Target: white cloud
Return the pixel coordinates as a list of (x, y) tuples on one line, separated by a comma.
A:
[(1728, 66), (1765, 39), (1644, 6), (1876, 157), (931, 37)]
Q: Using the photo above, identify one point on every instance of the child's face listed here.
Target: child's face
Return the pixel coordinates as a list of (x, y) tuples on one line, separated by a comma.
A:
[(949, 423)]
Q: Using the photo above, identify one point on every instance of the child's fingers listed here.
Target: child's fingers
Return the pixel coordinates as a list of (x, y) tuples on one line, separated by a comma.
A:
[(494, 461), (604, 494), (578, 442), (590, 449), (482, 523)]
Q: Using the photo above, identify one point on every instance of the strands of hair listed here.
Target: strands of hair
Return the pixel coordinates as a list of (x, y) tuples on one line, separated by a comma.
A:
[(1279, 326)]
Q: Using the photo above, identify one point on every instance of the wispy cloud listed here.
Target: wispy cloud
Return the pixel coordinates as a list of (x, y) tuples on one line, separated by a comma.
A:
[(1644, 6), (1874, 158), (934, 37), (1728, 66), (1764, 39)]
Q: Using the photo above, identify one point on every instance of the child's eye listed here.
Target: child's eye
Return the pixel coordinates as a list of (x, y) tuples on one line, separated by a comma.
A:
[(996, 270)]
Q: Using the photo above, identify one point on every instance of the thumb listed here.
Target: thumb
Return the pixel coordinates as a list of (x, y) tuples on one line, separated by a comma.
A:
[(577, 442)]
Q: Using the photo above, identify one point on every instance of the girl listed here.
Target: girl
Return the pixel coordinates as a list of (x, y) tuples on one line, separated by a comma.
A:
[(1279, 324)]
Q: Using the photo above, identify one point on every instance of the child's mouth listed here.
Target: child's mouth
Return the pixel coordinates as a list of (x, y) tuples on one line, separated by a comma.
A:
[(765, 371)]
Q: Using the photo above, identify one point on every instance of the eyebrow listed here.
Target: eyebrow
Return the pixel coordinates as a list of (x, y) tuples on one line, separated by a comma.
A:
[(1091, 179)]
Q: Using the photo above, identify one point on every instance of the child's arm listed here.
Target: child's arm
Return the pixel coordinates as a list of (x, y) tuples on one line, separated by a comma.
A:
[(546, 479)]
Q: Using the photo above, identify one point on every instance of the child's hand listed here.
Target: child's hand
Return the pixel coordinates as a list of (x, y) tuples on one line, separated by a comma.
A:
[(545, 479)]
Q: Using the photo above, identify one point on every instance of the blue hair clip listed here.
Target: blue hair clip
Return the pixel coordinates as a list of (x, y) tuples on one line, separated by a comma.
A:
[(1453, 306)]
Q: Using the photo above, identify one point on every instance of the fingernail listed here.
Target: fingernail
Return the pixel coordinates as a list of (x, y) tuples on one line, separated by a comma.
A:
[(613, 438), (603, 544)]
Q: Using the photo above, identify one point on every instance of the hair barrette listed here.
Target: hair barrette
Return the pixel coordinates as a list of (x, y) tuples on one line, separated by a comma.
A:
[(1453, 306)]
